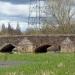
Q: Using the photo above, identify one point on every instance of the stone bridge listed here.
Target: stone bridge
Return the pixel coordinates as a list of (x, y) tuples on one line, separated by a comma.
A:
[(29, 43)]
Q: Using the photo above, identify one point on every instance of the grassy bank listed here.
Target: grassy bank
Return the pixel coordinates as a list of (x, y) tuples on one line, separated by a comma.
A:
[(40, 64)]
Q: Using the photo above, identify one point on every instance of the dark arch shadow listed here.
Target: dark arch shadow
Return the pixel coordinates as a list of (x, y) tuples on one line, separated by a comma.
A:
[(42, 49), (8, 48)]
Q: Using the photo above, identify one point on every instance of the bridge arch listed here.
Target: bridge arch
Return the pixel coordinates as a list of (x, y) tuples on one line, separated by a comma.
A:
[(48, 48), (7, 48), (42, 49)]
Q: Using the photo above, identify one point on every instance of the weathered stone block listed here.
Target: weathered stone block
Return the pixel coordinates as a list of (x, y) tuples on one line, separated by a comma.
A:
[(67, 45), (25, 46)]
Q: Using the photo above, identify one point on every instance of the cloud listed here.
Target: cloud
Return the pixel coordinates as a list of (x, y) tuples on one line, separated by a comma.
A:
[(18, 1), (14, 13), (17, 9), (13, 9)]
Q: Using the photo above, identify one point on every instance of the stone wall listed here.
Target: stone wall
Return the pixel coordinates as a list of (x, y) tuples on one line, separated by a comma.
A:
[(28, 43)]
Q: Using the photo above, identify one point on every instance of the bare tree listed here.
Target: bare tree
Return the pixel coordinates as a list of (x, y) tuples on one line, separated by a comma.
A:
[(61, 11), (59, 17)]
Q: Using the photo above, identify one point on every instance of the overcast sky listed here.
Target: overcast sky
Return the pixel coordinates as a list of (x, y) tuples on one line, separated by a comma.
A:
[(14, 11)]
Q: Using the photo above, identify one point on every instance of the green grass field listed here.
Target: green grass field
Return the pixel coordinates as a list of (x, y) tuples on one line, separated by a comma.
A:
[(40, 64)]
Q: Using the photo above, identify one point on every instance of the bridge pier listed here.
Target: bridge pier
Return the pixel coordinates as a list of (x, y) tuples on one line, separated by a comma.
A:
[(25, 46)]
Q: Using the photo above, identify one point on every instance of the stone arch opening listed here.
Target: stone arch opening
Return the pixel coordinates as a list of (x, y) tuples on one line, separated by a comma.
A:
[(42, 49), (7, 48)]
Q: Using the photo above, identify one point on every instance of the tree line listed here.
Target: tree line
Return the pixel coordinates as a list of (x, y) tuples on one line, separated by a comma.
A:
[(10, 30)]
